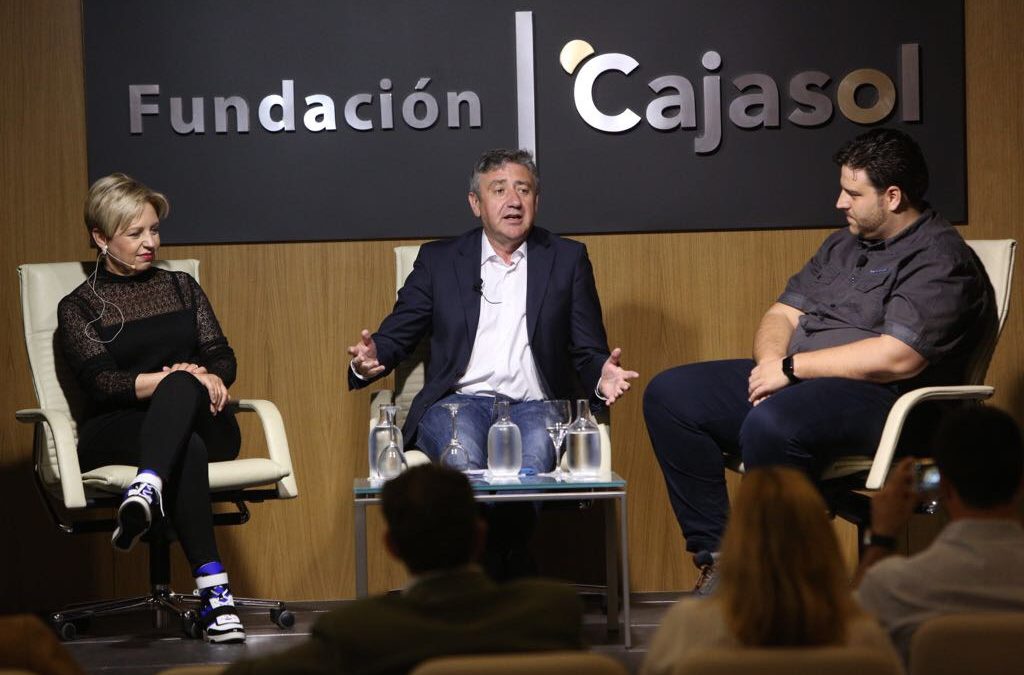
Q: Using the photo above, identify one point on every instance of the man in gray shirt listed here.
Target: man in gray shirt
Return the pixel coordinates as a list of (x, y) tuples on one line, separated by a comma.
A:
[(894, 301), (976, 564)]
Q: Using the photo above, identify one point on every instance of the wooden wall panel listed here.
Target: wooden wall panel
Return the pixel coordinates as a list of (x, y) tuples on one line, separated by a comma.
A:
[(290, 310)]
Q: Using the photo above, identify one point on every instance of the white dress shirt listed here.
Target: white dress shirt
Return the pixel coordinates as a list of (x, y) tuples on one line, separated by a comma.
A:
[(501, 361)]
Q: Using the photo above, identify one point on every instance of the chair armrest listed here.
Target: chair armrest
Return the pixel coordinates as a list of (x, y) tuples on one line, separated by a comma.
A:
[(606, 447), (277, 442), (898, 416), (72, 489)]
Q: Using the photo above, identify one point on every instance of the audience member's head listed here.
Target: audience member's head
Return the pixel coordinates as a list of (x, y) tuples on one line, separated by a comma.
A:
[(889, 158), (117, 200), (979, 454), (432, 519), (783, 582)]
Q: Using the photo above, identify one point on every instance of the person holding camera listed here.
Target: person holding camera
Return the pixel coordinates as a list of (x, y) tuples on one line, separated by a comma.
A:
[(976, 564)]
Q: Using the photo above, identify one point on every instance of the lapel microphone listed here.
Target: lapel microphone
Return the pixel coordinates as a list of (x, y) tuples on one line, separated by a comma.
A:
[(862, 260), (106, 251), (478, 287)]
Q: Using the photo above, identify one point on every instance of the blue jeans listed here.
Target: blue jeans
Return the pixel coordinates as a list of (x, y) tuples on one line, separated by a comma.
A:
[(696, 412), (475, 418)]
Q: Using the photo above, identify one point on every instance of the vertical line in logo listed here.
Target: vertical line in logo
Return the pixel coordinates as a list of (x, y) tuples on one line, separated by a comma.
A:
[(527, 123)]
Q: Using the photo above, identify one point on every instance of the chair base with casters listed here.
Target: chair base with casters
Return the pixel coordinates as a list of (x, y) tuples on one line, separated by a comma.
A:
[(103, 487), (161, 599)]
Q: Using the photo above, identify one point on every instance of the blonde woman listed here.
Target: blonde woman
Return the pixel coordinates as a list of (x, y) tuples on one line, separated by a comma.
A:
[(782, 584), (149, 353)]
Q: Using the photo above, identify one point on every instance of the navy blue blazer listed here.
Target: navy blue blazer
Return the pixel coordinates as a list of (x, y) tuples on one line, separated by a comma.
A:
[(441, 298)]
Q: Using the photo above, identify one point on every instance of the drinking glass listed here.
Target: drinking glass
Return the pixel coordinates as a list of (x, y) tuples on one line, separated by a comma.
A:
[(558, 418), (454, 456)]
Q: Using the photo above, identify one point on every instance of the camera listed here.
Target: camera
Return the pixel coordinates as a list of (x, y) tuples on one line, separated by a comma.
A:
[(926, 477)]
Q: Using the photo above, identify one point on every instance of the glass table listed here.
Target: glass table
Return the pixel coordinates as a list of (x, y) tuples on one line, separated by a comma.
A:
[(608, 489)]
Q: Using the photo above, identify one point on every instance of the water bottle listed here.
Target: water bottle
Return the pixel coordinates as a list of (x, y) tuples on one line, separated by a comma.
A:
[(504, 444), (583, 443), (381, 434)]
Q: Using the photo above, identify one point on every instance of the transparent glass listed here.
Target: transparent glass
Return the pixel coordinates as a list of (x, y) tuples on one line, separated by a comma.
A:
[(391, 462), (381, 434), (454, 455), (504, 443), (558, 416), (584, 443)]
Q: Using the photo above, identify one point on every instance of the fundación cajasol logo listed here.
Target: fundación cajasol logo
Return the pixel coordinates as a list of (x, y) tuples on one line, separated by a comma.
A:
[(755, 100), (758, 103)]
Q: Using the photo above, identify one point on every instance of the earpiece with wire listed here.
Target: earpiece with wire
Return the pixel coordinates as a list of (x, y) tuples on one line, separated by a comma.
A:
[(103, 302)]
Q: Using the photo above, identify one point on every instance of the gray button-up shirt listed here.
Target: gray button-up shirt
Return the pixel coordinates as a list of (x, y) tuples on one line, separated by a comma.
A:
[(924, 287)]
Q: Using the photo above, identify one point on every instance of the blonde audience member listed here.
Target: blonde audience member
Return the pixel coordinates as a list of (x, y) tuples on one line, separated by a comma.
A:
[(783, 583)]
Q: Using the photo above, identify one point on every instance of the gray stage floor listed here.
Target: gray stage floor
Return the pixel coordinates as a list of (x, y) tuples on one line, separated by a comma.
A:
[(130, 645)]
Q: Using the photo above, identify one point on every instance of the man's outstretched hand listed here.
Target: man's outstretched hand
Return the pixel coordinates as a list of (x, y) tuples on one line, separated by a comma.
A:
[(614, 378), (364, 356)]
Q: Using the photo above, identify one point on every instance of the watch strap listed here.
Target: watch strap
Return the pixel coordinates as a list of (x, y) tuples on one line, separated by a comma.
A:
[(787, 370)]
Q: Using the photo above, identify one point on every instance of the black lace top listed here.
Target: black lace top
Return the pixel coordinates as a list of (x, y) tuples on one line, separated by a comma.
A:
[(167, 320)]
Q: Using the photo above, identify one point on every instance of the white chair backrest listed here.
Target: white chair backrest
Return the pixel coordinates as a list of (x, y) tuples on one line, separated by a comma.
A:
[(42, 287), (997, 256), (409, 375)]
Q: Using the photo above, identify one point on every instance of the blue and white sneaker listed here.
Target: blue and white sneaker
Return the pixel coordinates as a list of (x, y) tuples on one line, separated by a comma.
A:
[(135, 514), (217, 614)]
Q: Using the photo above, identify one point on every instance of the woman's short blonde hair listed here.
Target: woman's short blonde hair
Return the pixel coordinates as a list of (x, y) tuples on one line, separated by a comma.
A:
[(117, 200), (783, 581)]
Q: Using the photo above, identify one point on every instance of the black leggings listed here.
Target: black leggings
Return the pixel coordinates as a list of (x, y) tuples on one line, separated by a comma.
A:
[(177, 437)]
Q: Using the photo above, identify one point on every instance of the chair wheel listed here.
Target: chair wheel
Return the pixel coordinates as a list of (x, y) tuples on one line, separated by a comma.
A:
[(282, 617), (190, 625), (67, 631)]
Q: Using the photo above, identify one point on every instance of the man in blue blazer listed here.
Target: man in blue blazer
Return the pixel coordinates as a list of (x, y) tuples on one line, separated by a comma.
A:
[(512, 313)]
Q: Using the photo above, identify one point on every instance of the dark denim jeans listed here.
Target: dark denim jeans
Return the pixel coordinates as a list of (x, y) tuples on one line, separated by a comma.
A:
[(475, 418), (696, 412)]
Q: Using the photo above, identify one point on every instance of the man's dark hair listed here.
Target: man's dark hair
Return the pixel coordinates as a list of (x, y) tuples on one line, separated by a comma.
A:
[(431, 517), (979, 451), (889, 157), (495, 159)]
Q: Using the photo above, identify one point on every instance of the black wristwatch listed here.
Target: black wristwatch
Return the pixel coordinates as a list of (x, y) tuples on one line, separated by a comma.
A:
[(879, 540), (787, 370)]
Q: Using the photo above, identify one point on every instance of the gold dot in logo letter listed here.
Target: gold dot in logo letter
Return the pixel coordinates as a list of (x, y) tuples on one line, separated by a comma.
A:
[(847, 99), (573, 53)]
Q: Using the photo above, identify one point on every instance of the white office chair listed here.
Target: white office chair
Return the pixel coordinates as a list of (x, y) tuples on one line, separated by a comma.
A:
[(997, 256), (409, 377), (70, 494)]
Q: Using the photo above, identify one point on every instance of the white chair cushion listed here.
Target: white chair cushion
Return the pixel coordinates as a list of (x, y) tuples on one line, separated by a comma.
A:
[(233, 475)]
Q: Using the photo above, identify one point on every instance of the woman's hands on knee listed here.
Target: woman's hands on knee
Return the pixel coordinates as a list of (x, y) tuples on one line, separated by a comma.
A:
[(219, 396)]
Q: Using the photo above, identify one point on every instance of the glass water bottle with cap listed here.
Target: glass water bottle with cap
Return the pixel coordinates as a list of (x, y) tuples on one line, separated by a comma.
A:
[(504, 444), (583, 444)]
